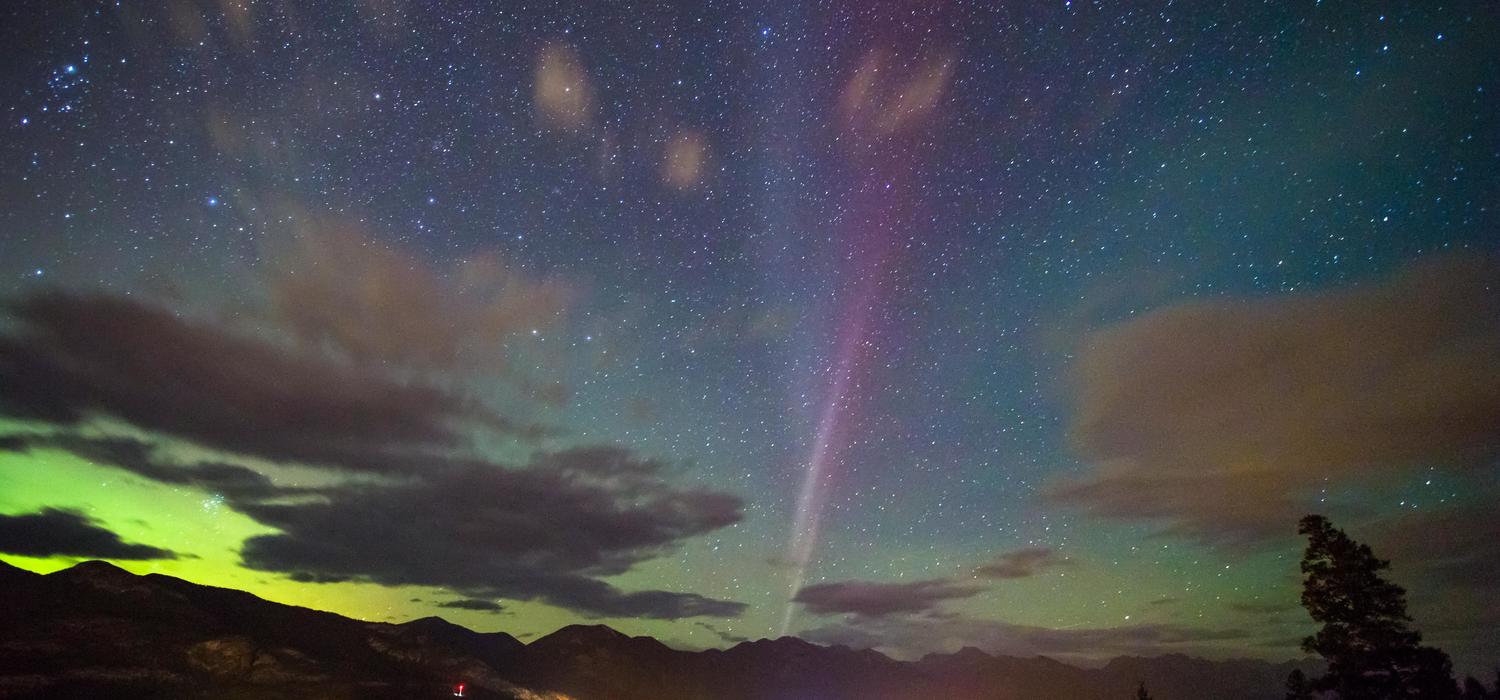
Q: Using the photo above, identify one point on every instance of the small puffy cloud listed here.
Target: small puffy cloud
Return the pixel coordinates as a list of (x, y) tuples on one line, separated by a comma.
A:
[(476, 604), (1022, 563), (1219, 418), (53, 532), (685, 160), (883, 97), (877, 599), (561, 89)]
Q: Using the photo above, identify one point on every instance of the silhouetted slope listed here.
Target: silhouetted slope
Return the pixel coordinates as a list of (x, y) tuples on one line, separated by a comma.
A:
[(14, 574), (96, 629)]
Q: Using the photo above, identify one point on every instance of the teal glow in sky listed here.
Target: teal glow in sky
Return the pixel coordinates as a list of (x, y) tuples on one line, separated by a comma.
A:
[(1031, 327)]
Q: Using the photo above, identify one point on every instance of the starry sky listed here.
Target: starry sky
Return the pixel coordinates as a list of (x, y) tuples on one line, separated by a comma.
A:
[(911, 325)]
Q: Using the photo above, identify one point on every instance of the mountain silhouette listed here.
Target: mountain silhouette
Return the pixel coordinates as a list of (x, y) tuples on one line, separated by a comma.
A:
[(95, 630)]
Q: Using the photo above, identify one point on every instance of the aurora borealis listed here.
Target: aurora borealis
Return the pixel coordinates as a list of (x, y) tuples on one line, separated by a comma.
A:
[(1027, 326)]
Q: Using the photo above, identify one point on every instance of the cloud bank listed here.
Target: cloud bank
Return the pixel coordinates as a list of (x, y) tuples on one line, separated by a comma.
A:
[(1220, 418)]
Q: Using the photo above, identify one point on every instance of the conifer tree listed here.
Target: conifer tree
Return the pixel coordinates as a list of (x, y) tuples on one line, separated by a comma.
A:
[(1297, 686), (1371, 651)]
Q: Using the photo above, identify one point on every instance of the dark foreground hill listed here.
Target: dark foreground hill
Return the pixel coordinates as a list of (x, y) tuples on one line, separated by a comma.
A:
[(98, 631)]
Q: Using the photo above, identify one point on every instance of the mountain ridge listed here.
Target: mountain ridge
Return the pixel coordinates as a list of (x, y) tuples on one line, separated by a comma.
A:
[(97, 629)]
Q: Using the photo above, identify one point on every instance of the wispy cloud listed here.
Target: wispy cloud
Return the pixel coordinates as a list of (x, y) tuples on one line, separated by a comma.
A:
[(879, 599), (1022, 563)]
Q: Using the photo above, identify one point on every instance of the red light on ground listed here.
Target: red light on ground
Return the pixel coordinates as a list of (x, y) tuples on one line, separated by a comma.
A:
[(458, 690)]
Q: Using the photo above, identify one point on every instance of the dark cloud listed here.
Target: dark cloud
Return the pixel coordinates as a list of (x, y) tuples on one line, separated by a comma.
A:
[(234, 482), (309, 577), (874, 599), (546, 532), (75, 356), (479, 604), (910, 637), (728, 637), (1023, 563), (1265, 608), (1219, 418), (52, 532)]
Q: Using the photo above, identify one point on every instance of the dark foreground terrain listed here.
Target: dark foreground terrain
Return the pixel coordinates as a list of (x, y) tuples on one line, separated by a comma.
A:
[(98, 631)]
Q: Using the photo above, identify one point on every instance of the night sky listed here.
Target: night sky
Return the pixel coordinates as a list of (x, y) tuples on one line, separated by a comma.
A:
[(1031, 326)]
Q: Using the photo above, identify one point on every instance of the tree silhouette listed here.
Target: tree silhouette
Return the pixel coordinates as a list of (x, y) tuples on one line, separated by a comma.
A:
[(1371, 652), (1297, 686), (1140, 692), (1474, 689)]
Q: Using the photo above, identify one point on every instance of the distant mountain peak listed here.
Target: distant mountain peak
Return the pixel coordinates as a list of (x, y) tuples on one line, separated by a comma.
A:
[(779, 642), (94, 568), (585, 633), (592, 629), (432, 621), (101, 574), (966, 655)]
